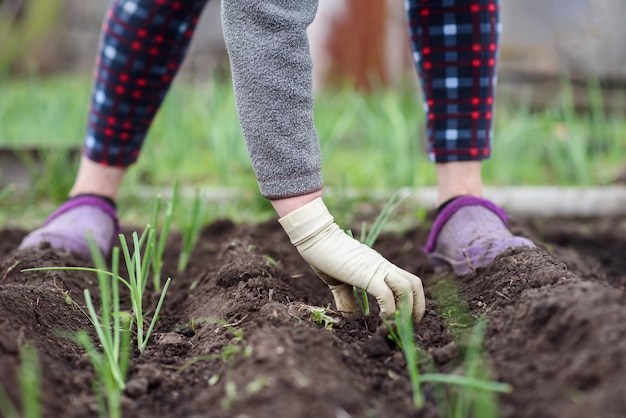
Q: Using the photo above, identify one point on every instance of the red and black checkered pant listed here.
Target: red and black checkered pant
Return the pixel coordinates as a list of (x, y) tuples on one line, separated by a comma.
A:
[(143, 45)]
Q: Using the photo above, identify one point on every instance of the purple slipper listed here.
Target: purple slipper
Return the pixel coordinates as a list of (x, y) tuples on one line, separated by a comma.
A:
[(470, 232), (67, 227)]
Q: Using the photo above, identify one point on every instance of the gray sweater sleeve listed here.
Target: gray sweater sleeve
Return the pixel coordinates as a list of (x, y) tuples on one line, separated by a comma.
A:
[(272, 77)]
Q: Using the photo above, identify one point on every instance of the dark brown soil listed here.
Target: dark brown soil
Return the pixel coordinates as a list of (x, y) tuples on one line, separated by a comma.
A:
[(556, 330)]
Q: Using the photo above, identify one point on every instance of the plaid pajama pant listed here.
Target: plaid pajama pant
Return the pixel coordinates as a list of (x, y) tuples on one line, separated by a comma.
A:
[(142, 46), (144, 42), (455, 46)]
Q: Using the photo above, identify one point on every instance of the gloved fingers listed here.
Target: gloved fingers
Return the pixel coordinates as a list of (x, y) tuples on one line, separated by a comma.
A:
[(401, 287), (384, 296), (344, 300), (419, 300), (342, 293)]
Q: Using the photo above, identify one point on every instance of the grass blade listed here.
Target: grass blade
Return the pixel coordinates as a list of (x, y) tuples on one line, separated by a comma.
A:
[(404, 322), (155, 316), (30, 378), (466, 381), (191, 232), (106, 346)]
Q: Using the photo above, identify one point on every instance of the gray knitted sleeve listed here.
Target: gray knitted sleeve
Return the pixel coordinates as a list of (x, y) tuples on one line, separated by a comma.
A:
[(272, 77)]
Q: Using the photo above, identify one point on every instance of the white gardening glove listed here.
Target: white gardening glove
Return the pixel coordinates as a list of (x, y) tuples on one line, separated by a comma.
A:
[(343, 262)]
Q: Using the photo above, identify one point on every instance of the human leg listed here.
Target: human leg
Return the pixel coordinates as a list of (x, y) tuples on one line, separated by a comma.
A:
[(97, 179), (143, 44), (455, 47), (458, 178)]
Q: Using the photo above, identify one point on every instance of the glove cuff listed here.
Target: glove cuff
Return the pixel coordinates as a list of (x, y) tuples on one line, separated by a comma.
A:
[(306, 221)]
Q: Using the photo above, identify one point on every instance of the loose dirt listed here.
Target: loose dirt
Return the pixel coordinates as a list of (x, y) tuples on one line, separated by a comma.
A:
[(556, 329)]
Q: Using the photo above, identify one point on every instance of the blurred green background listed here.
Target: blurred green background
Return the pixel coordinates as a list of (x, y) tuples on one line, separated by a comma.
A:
[(559, 116)]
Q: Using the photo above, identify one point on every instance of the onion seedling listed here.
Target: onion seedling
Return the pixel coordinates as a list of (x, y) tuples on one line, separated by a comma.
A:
[(111, 365), (29, 377), (401, 332), (113, 326), (108, 324), (138, 267), (7, 407), (191, 232), (157, 259), (402, 335), (369, 238), (137, 278)]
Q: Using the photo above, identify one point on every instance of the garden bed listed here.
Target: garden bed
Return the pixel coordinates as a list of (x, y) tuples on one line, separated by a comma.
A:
[(556, 329)]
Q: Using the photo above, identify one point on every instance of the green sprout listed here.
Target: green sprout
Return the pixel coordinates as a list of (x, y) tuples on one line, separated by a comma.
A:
[(191, 232), (401, 332), (320, 316), (115, 339), (29, 377), (136, 284), (157, 260), (369, 237), (227, 353)]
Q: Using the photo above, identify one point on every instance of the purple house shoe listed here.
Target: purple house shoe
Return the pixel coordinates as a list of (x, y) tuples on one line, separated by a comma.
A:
[(470, 232), (68, 226)]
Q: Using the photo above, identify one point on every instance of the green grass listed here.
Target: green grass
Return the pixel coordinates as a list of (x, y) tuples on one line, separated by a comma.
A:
[(190, 231), (29, 378), (472, 390), (197, 135), (369, 142)]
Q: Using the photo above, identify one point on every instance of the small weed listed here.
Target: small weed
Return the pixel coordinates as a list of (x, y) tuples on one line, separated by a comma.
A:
[(231, 391), (256, 385), (320, 316), (272, 262), (214, 379), (68, 299), (230, 394), (227, 353)]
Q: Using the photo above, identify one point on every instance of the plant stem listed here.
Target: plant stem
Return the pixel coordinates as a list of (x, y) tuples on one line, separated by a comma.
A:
[(405, 330), (30, 378), (155, 316), (466, 381)]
